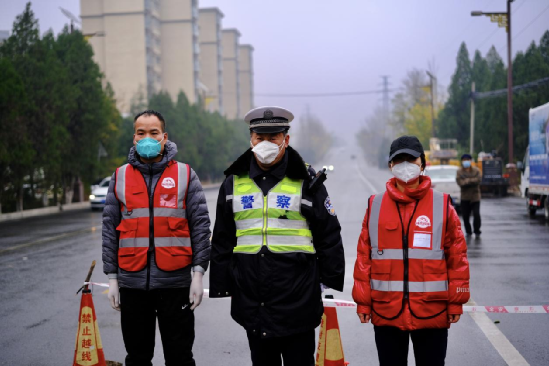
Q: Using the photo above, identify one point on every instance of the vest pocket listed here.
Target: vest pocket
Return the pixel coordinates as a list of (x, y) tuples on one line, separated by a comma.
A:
[(435, 277), (380, 276), (179, 240), (127, 239)]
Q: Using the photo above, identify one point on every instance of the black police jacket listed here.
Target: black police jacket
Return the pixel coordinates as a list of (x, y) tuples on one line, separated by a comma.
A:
[(275, 295)]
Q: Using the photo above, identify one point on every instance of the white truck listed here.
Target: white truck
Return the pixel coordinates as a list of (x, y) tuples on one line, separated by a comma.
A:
[(535, 168)]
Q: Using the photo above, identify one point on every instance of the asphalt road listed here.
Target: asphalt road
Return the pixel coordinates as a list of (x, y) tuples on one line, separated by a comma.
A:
[(44, 260)]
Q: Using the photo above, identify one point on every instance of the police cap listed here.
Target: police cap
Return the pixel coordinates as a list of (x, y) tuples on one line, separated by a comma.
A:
[(269, 119)]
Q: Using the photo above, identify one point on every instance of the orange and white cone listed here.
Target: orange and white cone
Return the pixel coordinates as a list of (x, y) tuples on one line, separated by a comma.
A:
[(88, 349), (330, 350)]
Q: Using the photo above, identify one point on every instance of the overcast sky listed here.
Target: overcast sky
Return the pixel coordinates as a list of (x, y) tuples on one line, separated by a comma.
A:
[(326, 46)]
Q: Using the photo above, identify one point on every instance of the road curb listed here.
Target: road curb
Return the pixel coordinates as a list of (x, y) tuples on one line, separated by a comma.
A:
[(43, 211)]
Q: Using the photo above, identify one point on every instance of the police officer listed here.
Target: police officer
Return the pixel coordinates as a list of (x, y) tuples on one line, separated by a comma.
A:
[(276, 243)]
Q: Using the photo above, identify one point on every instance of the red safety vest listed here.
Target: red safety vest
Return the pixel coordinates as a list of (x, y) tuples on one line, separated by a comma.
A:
[(172, 243), (409, 266)]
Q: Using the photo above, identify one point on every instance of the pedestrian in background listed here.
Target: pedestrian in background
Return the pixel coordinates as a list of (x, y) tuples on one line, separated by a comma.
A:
[(276, 242), (155, 229), (468, 177), (411, 275)]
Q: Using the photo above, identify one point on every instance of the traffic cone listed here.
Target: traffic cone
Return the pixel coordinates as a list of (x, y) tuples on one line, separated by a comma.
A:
[(88, 350), (330, 350)]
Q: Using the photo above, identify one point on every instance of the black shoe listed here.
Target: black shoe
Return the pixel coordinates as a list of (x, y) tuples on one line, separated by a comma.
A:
[(478, 234), (468, 234)]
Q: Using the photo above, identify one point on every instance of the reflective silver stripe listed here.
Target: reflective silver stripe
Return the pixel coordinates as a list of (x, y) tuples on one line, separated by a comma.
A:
[(438, 219), (289, 240), (249, 224), (134, 242), (158, 242), (172, 242), (158, 212), (250, 240), (425, 254), (306, 202), (257, 203), (287, 224), (182, 179), (429, 286), (374, 221), (386, 286), (228, 197), (412, 254), (120, 186), (398, 286), (135, 213), (294, 203)]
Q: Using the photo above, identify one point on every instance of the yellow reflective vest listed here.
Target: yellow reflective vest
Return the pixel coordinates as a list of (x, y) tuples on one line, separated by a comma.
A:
[(274, 220)]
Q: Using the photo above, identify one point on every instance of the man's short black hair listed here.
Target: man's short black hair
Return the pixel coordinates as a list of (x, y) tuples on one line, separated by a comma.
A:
[(151, 112)]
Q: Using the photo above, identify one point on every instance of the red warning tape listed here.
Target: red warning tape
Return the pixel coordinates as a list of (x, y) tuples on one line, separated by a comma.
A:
[(540, 309)]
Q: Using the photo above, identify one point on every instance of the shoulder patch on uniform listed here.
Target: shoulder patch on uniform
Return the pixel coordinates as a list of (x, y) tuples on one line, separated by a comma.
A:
[(329, 207)]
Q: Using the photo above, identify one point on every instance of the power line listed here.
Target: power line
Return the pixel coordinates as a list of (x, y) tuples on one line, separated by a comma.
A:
[(319, 95), (529, 24), (500, 92), (526, 27)]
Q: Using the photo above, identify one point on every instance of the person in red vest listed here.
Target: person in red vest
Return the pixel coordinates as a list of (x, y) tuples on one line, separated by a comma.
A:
[(411, 275), (156, 228)]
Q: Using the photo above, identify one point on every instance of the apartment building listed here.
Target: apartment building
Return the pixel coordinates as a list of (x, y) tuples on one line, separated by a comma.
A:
[(180, 48), (211, 57), (231, 88), (127, 45), (145, 46), (246, 78)]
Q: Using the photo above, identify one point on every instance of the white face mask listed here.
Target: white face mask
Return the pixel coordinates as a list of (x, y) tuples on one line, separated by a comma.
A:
[(266, 151), (406, 171)]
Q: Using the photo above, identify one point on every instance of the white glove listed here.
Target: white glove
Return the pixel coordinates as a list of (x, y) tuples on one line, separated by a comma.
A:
[(323, 287), (114, 294), (197, 290)]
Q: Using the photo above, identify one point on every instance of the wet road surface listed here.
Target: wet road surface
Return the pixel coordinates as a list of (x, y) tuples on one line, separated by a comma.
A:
[(44, 260)]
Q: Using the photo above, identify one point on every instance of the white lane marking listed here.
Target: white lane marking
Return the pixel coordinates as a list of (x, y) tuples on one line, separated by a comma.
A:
[(506, 350), (51, 238), (366, 181)]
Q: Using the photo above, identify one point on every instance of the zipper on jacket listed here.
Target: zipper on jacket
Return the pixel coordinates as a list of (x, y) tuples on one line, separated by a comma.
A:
[(405, 256), (265, 219), (405, 236), (151, 227)]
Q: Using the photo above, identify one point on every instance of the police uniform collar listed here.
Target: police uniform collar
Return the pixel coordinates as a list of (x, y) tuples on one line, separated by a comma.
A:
[(296, 168)]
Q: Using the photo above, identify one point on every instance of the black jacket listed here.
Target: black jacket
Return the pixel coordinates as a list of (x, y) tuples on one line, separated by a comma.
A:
[(275, 295)]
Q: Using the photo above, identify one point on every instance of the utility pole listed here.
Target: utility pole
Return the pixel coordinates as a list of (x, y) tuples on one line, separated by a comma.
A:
[(433, 82), (472, 142), (504, 20), (385, 102), (509, 83)]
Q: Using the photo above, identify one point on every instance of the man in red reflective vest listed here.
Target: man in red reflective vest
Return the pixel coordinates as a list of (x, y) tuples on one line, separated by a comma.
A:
[(156, 228), (411, 273)]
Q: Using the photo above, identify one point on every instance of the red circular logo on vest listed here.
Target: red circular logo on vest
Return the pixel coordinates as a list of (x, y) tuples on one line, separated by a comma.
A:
[(168, 183), (423, 222)]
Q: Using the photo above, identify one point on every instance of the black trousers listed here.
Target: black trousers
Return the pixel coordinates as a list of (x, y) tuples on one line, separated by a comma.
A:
[(466, 208), (139, 310), (295, 350), (429, 346)]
